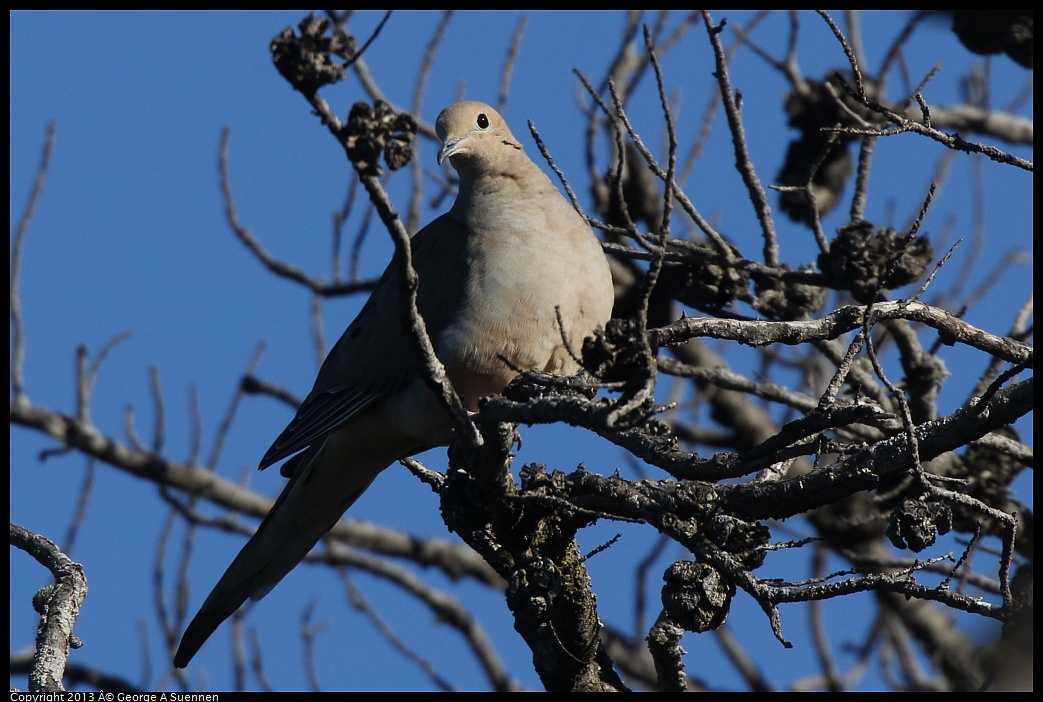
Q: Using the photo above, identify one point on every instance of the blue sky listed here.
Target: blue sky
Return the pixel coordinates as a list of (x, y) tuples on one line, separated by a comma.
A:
[(130, 235)]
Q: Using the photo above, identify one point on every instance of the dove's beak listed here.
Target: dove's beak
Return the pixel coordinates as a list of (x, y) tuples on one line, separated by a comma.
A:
[(448, 148)]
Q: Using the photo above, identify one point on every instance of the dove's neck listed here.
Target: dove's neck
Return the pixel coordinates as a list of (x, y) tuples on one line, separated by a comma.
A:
[(487, 189)]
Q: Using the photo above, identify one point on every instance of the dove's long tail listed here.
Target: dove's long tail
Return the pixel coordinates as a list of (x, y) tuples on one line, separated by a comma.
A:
[(325, 482)]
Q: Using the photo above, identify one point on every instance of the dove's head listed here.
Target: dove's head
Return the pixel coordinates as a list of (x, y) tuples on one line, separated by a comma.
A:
[(473, 134)]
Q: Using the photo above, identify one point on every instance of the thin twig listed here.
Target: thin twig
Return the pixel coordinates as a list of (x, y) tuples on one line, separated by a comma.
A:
[(426, 66), (279, 268), (743, 162), (514, 48), (722, 246), (233, 406), (158, 410), (856, 69), (17, 323), (371, 39)]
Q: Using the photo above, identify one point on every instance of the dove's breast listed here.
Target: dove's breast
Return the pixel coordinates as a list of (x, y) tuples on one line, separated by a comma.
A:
[(516, 279)]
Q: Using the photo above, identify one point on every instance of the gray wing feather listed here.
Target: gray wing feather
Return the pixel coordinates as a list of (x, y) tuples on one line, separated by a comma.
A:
[(374, 358)]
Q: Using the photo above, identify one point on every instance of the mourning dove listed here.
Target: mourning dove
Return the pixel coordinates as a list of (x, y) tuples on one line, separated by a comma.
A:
[(492, 271)]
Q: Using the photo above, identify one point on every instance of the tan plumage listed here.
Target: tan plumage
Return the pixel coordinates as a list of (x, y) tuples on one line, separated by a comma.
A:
[(491, 272)]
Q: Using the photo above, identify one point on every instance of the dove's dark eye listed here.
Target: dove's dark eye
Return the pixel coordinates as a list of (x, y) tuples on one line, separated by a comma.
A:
[(482, 121)]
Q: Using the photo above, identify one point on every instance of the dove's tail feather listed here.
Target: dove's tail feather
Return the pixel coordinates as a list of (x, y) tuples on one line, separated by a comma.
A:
[(323, 486)]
